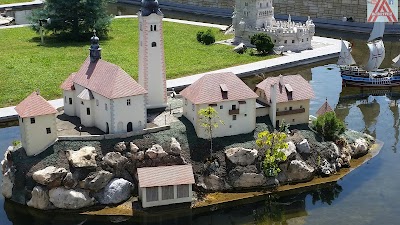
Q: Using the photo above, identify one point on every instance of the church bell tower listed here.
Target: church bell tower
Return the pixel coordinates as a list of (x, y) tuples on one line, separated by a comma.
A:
[(152, 74)]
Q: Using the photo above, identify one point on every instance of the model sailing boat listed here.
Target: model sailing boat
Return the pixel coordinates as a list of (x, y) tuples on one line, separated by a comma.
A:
[(370, 75)]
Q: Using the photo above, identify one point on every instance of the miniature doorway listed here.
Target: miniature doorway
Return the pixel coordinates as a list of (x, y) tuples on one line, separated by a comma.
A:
[(107, 128), (129, 127)]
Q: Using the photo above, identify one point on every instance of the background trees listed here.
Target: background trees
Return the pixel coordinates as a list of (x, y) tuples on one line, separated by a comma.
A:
[(74, 19)]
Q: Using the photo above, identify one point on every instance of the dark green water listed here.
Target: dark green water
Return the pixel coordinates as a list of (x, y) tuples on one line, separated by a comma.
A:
[(368, 195)]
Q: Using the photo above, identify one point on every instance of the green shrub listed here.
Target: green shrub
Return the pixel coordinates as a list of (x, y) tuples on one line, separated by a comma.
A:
[(206, 38), (16, 143), (272, 143), (262, 42), (329, 126)]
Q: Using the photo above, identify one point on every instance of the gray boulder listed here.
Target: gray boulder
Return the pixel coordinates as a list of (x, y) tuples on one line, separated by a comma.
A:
[(345, 157), (247, 180), (50, 176), (175, 148), (212, 183), (84, 157), (96, 180), (327, 168), (241, 156), (298, 171), (138, 156), (133, 148), (291, 149), (156, 151), (303, 147), (120, 147), (115, 160), (70, 199), (40, 198), (70, 181), (359, 148), (116, 191), (7, 184)]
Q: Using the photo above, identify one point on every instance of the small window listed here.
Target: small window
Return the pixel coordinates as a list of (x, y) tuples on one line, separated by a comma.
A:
[(97, 102), (192, 107), (285, 108), (105, 106), (233, 107), (167, 192), (290, 108), (153, 44), (301, 106), (155, 27), (307, 39), (234, 117), (185, 101), (302, 40), (88, 111), (274, 41), (292, 41), (48, 130), (151, 27), (182, 191), (277, 109), (128, 102), (285, 41), (221, 107), (152, 194), (245, 114), (33, 120), (81, 102), (70, 101), (292, 120)]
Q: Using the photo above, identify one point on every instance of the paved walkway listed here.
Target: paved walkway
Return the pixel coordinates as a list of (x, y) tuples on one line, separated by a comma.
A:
[(323, 48)]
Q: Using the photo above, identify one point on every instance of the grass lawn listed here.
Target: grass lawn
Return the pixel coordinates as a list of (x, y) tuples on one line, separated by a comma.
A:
[(2, 2), (25, 65)]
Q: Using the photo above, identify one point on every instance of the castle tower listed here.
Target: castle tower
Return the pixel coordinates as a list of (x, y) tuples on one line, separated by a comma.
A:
[(265, 13), (151, 54)]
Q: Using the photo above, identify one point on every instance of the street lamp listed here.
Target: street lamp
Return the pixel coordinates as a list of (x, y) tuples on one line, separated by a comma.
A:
[(41, 23), (80, 130)]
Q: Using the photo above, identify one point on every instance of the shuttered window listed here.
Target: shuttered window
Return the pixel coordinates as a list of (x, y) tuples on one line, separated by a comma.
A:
[(183, 191), (167, 192), (152, 194)]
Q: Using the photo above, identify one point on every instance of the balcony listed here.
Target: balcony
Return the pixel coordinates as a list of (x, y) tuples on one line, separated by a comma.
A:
[(233, 111), (289, 112)]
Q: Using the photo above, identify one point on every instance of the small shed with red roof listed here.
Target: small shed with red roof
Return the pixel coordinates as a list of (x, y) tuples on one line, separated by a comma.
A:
[(165, 185), (37, 123), (234, 101)]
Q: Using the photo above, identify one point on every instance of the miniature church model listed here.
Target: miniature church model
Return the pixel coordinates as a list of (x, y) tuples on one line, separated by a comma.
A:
[(257, 16), (37, 123), (151, 54)]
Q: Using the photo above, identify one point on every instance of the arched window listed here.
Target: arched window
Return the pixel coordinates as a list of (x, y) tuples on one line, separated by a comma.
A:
[(153, 44), (155, 27), (151, 27)]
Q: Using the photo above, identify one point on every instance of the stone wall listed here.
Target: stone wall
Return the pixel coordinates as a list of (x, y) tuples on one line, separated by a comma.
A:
[(322, 9)]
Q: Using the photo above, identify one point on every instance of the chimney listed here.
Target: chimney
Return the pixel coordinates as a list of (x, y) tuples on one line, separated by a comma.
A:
[(281, 84), (95, 50), (272, 108)]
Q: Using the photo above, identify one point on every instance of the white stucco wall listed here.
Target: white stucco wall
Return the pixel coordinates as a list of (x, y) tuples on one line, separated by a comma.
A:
[(135, 113), (102, 116), (175, 200), (34, 136), (87, 120), (245, 121), (297, 118), (152, 74), (69, 109)]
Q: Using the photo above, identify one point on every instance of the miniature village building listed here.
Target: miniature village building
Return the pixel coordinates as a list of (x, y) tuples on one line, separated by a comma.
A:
[(37, 124), (287, 99), (234, 101), (152, 75), (165, 185), (103, 95), (325, 108), (257, 16)]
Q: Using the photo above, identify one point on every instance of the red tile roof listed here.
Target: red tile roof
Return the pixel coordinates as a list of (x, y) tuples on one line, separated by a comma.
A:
[(34, 105), (165, 175), (107, 79), (68, 84), (324, 109), (301, 89), (218, 87)]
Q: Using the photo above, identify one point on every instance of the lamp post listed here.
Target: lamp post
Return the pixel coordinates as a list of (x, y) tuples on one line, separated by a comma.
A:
[(80, 130), (41, 30)]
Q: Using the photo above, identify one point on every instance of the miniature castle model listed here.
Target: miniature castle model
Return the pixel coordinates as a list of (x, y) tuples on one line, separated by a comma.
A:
[(256, 16), (234, 101), (151, 54), (287, 98), (37, 124)]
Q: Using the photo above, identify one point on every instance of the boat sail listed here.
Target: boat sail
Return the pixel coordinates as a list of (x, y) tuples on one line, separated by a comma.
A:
[(376, 47), (396, 61), (345, 57)]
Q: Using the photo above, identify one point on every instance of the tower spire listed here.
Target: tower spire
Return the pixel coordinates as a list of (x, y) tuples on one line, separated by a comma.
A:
[(95, 50)]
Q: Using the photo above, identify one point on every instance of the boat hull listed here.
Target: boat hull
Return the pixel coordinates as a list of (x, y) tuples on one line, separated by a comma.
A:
[(357, 77)]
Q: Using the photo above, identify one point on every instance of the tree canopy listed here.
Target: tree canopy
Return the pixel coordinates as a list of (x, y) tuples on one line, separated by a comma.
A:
[(73, 18), (262, 42), (209, 120), (329, 126)]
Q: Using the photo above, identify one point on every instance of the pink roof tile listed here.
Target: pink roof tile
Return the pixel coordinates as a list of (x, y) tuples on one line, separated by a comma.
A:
[(68, 84), (165, 175), (34, 105), (301, 89), (107, 79), (218, 87)]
